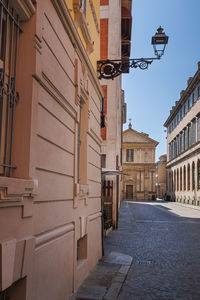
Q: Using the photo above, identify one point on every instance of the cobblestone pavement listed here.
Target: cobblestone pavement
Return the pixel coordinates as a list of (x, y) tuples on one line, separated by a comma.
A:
[(164, 241)]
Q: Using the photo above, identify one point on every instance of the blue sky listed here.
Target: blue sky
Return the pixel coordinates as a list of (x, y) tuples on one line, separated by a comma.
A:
[(151, 93)]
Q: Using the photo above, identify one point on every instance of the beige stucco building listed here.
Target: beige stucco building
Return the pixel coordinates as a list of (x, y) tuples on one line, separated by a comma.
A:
[(183, 144), (50, 183), (116, 24), (161, 177), (139, 165)]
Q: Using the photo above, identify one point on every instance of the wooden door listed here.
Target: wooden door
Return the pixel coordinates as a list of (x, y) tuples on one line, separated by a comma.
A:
[(129, 191)]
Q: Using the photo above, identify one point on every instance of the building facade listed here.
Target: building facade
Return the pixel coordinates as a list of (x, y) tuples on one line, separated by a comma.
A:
[(50, 139), (115, 44), (161, 177), (138, 165), (183, 140)]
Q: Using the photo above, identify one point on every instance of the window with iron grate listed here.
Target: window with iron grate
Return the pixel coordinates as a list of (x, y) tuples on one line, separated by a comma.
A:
[(9, 36)]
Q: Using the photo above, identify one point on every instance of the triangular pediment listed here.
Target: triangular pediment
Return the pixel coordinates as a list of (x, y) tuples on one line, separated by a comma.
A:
[(133, 136)]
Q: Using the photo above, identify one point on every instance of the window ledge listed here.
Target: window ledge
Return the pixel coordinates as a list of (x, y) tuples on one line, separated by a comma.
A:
[(18, 192)]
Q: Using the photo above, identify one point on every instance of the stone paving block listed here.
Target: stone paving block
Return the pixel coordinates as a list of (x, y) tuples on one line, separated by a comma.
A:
[(94, 292), (124, 269), (113, 291), (118, 258)]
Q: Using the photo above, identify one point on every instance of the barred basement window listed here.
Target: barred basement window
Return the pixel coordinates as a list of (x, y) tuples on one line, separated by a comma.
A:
[(9, 36)]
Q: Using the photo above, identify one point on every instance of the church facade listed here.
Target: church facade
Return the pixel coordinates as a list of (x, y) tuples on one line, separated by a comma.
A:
[(138, 165)]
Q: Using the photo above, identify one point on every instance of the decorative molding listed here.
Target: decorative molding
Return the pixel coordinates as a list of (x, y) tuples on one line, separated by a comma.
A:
[(94, 216), (94, 16), (24, 8), (52, 235), (81, 22), (38, 44)]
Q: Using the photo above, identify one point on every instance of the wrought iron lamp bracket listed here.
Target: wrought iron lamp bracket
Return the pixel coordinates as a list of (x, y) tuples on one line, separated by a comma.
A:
[(109, 69)]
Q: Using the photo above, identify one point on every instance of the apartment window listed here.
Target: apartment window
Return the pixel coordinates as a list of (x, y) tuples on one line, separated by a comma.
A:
[(186, 138), (178, 117), (193, 131), (180, 142), (189, 135), (183, 142), (170, 151), (8, 95), (103, 160), (177, 179), (190, 102), (188, 177), (181, 114), (193, 99), (129, 155), (174, 180), (184, 178), (198, 91), (193, 176), (198, 174), (181, 179), (198, 128)]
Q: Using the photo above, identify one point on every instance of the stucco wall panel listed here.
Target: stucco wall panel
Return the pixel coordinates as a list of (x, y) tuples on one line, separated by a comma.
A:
[(54, 130), (51, 17), (54, 70), (48, 266), (18, 228), (95, 188), (52, 39), (58, 107), (48, 180), (48, 216), (93, 156), (53, 158), (94, 234)]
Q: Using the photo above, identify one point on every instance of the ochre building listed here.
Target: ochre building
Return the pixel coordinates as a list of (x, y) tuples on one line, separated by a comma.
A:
[(138, 165)]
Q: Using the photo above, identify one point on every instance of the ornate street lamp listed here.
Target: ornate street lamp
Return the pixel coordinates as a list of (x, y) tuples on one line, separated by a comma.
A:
[(109, 69)]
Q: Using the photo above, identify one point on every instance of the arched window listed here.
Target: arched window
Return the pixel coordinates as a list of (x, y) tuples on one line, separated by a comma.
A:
[(184, 178), (181, 179), (193, 175), (174, 180), (198, 174), (188, 177), (177, 179)]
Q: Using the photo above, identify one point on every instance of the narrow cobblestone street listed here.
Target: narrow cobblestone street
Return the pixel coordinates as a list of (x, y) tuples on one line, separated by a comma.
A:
[(163, 239)]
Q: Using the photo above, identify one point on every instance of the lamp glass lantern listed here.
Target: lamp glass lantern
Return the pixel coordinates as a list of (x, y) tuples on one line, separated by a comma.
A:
[(159, 42)]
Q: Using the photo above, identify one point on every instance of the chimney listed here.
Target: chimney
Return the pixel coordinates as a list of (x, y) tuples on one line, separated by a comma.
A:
[(189, 80), (181, 93)]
